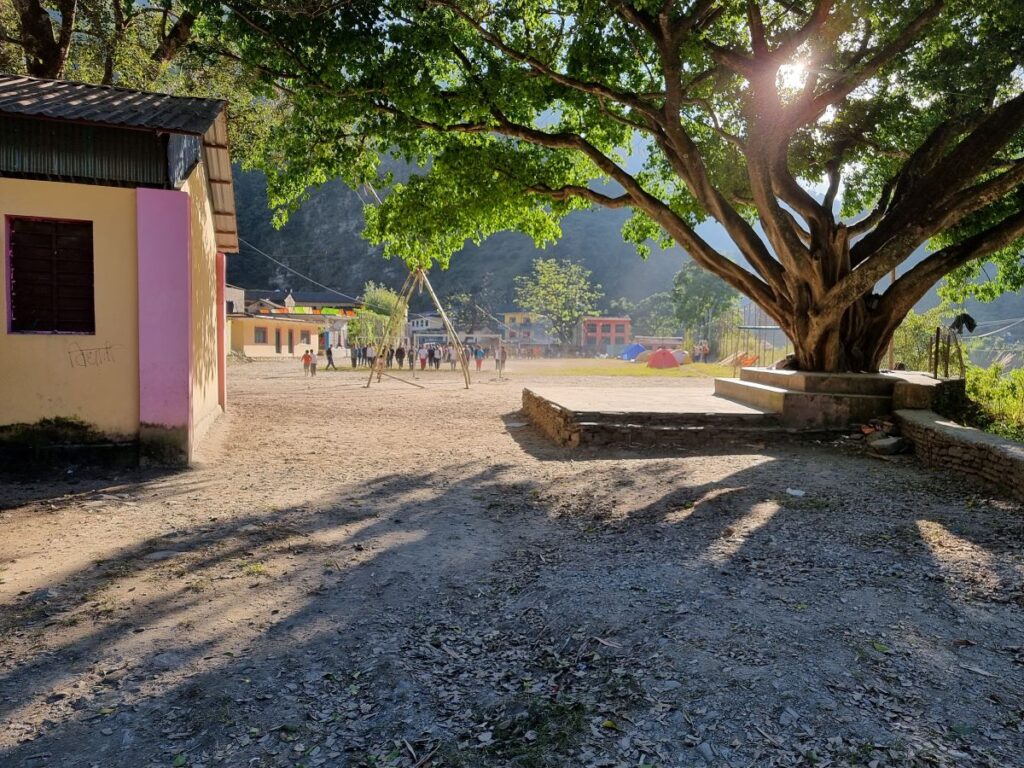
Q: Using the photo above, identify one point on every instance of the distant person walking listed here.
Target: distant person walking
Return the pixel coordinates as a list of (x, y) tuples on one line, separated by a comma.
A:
[(400, 356), (330, 359), (307, 360), (423, 357), (353, 353), (502, 358), (312, 362), (371, 354), (478, 356)]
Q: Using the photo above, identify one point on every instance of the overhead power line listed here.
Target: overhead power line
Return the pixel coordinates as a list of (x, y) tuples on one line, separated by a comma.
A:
[(361, 302)]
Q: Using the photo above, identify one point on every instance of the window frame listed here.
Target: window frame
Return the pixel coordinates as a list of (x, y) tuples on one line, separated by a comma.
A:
[(9, 219), (266, 334)]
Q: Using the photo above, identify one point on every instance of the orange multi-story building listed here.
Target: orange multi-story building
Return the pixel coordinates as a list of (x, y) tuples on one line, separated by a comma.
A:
[(603, 334)]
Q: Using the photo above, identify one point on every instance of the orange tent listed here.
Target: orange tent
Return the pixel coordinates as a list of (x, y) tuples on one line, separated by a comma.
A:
[(662, 358)]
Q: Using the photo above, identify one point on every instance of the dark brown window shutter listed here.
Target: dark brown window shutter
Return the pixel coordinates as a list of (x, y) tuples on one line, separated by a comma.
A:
[(51, 276)]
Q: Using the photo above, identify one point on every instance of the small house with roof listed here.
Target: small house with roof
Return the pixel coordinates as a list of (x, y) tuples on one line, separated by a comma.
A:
[(326, 313), (117, 211)]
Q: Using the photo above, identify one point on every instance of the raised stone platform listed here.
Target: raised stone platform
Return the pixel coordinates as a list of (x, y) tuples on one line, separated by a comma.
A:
[(759, 403), (823, 400), (642, 416)]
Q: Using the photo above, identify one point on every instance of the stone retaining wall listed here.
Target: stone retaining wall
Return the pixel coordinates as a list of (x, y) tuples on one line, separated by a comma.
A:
[(987, 459), (554, 421)]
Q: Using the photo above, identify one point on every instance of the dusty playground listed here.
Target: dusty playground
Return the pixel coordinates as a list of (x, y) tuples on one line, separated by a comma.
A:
[(406, 577)]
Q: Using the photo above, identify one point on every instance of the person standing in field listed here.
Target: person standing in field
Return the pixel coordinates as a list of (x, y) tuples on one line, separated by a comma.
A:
[(330, 359), (312, 362), (307, 359), (400, 356), (478, 356), (502, 358)]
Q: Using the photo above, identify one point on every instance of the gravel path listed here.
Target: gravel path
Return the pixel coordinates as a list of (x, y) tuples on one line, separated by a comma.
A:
[(406, 577)]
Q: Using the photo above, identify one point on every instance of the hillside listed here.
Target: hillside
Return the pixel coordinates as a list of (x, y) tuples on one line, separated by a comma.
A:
[(323, 240)]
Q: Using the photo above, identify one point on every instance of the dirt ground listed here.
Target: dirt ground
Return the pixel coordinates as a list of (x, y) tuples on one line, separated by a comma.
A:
[(404, 577)]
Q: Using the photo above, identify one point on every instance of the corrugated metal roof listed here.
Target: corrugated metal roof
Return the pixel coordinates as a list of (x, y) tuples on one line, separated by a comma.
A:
[(106, 105), (103, 105)]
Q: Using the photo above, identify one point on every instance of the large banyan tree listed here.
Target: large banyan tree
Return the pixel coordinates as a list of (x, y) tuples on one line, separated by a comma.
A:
[(830, 140)]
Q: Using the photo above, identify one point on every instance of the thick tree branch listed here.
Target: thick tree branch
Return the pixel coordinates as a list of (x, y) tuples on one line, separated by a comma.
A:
[(807, 111), (909, 288), (572, 190), (174, 40)]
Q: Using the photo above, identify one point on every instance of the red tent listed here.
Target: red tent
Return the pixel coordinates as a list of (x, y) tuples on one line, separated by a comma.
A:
[(662, 358)]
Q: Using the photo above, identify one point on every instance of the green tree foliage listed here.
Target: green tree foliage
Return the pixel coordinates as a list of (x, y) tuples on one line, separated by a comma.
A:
[(561, 291), (999, 397), (700, 298), (373, 320), (753, 113), (916, 333), (652, 316), (468, 311), (160, 46)]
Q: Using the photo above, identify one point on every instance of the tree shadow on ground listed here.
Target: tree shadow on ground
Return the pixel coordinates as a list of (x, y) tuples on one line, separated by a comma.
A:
[(436, 606)]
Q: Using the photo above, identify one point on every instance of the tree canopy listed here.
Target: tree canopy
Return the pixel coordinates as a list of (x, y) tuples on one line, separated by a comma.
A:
[(829, 140), (561, 291), (373, 316)]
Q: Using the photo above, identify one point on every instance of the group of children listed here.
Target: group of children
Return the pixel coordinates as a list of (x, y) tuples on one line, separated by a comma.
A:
[(431, 355)]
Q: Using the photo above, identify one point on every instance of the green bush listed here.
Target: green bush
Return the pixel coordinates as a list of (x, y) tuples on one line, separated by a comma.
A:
[(999, 397), (914, 336)]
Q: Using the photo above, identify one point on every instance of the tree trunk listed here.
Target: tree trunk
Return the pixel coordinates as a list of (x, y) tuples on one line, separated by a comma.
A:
[(45, 55), (849, 345), (853, 340)]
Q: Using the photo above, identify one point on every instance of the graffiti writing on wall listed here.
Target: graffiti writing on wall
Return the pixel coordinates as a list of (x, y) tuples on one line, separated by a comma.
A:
[(90, 357)]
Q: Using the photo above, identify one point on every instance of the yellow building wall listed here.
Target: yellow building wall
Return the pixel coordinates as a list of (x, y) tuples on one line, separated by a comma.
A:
[(94, 378), (243, 337), (205, 393)]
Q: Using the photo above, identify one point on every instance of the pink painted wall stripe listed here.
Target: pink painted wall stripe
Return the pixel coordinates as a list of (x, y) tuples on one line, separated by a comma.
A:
[(222, 342), (164, 307)]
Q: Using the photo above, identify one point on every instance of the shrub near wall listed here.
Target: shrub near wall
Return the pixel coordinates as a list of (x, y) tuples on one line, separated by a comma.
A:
[(999, 400)]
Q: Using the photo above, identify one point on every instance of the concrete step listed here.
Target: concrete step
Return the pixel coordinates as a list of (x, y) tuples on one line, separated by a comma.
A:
[(762, 396), (806, 410), (875, 384)]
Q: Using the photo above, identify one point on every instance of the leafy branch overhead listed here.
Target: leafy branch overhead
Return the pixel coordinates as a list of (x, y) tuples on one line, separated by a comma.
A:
[(829, 140)]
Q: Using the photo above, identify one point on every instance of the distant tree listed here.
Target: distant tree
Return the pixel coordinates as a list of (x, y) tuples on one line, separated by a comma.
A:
[(656, 316), (699, 297), (561, 291), (371, 321), (469, 310)]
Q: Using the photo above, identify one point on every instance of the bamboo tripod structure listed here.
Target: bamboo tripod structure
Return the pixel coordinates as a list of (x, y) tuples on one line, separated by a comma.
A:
[(417, 279)]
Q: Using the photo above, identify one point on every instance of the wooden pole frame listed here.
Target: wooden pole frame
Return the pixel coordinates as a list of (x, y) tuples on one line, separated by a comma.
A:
[(416, 278)]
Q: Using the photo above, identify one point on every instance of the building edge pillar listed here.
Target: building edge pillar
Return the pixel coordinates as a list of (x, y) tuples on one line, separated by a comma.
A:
[(165, 343), (222, 341)]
